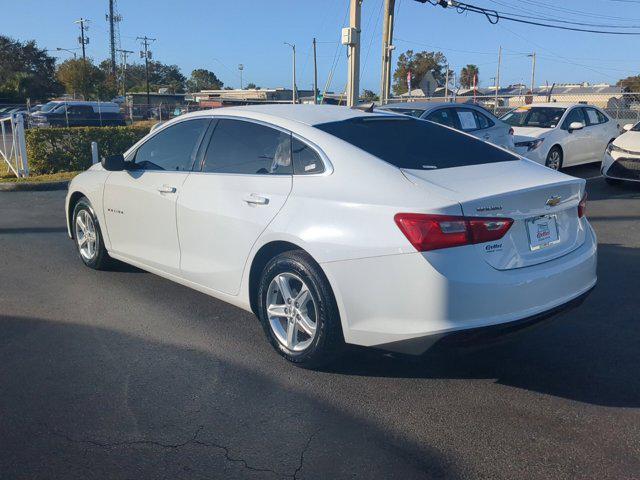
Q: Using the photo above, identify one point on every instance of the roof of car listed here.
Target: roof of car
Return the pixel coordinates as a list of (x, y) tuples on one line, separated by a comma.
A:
[(307, 114), (421, 105), (557, 105)]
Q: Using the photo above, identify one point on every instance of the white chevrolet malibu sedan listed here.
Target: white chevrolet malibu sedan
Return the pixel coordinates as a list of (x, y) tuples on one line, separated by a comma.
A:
[(338, 226)]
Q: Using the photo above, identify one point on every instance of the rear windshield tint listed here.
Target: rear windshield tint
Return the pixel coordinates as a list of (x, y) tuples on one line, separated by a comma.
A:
[(415, 144)]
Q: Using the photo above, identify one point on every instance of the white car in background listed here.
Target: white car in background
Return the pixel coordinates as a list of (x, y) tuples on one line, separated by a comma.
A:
[(331, 226), (621, 161), (465, 117), (561, 134)]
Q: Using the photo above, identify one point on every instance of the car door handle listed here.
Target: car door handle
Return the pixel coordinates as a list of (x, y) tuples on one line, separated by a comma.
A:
[(167, 189), (254, 199)]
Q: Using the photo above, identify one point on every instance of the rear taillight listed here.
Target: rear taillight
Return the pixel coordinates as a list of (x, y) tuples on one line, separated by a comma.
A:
[(432, 232), (582, 206)]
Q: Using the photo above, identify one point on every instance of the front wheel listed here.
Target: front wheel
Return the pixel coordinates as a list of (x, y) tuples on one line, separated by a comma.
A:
[(88, 237), (298, 311), (554, 158)]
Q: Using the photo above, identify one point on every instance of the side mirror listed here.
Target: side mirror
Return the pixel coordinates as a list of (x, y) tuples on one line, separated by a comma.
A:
[(113, 163), (576, 126), (627, 127)]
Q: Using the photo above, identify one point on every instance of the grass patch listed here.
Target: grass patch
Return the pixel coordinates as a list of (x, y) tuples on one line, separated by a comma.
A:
[(51, 177)]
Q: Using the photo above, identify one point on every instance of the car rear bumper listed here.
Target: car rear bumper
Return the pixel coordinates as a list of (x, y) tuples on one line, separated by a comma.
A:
[(409, 302)]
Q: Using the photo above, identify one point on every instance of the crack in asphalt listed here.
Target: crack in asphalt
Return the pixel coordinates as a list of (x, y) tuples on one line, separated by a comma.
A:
[(306, 447), (194, 441)]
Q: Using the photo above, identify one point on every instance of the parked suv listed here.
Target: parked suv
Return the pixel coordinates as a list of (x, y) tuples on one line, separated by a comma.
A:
[(78, 114)]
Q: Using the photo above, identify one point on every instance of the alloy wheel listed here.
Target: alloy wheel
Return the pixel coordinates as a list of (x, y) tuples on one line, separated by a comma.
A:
[(553, 160), (86, 237), (292, 312)]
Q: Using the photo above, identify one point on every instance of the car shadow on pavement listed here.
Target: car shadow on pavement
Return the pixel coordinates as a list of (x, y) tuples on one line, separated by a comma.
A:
[(87, 402), (590, 354)]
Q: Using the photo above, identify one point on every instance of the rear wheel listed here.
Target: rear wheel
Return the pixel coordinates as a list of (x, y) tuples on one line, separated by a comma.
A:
[(88, 237), (298, 311), (554, 158)]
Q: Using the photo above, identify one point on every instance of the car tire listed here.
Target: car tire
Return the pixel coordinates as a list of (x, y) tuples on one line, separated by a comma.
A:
[(88, 236), (304, 329), (554, 158)]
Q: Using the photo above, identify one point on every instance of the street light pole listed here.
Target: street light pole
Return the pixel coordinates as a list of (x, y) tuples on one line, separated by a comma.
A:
[(533, 70), (315, 74), (75, 56), (294, 96), (241, 68)]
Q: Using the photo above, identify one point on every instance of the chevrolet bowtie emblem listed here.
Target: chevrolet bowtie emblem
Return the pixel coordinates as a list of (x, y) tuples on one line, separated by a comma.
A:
[(553, 201)]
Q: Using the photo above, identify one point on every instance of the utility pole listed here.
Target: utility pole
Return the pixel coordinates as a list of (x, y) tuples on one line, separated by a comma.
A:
[(351, 38), (294, 96), (495, 104), (124, 54), (446, 84), (146, 54), (315, 74), (533, 70), (84, 41), (241, 68), (387, 48)]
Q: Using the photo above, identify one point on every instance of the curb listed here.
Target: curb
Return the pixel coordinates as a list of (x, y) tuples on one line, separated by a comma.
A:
[(33, 186)]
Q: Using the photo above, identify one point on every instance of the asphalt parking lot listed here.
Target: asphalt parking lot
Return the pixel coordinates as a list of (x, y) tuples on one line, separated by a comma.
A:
[(123, 374)]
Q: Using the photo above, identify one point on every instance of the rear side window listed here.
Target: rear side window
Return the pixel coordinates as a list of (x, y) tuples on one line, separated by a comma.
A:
[(238, 146), (415, 144), (595, 117), (443, 116), (173, 148), (483, 120), (468, 120), (305, 159)]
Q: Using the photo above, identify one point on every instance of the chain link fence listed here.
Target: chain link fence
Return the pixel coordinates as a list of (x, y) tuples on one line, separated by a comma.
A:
[(622, 107)]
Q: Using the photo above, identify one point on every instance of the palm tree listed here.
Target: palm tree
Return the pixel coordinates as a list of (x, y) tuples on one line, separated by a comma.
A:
[(467, 75)]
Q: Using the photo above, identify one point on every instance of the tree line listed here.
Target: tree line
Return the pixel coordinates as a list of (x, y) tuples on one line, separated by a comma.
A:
[(27, 71)]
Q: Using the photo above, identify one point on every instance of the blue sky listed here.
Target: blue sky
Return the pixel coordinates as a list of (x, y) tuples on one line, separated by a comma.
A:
[(219, 35)]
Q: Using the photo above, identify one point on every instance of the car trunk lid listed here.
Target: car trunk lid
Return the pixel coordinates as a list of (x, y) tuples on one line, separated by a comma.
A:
[(543, 204)]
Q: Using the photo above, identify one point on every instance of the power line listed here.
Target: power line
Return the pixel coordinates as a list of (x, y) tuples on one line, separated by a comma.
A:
[(568, 22), (493, 16)]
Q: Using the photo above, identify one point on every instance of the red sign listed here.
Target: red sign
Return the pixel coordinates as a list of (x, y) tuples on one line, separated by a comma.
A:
[(409, 80)]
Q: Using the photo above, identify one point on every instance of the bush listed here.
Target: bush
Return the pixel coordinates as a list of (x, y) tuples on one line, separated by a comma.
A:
[(53, 150)]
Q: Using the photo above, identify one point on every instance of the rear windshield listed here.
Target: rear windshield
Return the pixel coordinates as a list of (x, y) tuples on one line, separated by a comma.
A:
[(412, 112), (636, 127), (415, 144), (541, 117)]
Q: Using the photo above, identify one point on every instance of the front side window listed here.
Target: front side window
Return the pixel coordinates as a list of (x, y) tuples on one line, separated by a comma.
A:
[(305, 159), (238, 146), (173, 148), (575, 115), (540, 117), (415, 144), (443, 116)]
